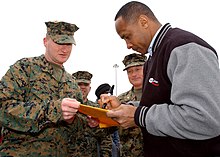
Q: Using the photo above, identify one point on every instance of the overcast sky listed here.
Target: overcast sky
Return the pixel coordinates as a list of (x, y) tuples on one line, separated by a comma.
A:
[(98, 47)]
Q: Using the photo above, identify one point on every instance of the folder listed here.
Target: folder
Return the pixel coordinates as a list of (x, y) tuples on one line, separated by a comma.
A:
[(98, 113)]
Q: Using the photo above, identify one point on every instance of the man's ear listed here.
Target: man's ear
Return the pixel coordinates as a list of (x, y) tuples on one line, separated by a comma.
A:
[(44, 41), (143, 21)]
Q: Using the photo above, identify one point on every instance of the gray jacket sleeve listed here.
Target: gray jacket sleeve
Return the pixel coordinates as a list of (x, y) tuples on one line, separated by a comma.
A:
[(194, 73)]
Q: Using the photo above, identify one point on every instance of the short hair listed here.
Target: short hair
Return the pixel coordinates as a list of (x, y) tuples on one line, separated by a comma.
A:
[(131, 11)]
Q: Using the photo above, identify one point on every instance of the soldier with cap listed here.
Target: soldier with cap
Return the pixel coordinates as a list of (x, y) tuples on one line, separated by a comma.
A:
[(134, 66), (83, 78), (131, 139), (90, 142), (39, 99)]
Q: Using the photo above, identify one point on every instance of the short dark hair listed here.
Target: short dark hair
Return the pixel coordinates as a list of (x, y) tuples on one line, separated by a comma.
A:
[(132, 10)]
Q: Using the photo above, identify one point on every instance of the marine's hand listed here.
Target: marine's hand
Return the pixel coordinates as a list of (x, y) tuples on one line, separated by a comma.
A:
[(111, 101), (92, 122), (69, 109), (124, 115)]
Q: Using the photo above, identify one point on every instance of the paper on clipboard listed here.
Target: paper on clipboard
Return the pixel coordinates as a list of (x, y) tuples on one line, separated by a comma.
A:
[(98, 113)]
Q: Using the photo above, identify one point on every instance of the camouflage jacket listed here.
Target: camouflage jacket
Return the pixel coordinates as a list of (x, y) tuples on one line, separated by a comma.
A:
[(30, 110), (131, 139), (91, 142)]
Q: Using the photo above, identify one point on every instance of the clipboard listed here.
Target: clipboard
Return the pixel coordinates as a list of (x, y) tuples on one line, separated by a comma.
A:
[(98, 113)]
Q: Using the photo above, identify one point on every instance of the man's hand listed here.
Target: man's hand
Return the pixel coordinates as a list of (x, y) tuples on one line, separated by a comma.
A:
[(92, 122), (124, 115), (111, 101), (69, 109)]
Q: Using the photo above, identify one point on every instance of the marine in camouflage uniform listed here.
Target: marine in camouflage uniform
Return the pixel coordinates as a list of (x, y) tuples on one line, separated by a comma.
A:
[(91, 142), (131, 139), (30, 109), (31, 93)]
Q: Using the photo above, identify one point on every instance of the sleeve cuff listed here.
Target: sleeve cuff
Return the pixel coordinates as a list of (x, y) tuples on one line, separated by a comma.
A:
[(140, 116), (54, 113)]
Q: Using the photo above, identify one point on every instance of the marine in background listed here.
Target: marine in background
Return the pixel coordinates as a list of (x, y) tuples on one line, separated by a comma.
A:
[(131, 139), (91, 142)]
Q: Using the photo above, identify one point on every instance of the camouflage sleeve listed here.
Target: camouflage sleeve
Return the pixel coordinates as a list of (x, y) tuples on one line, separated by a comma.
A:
[(80, 124), (122, 97), (126, 96), (15, 112), (90, 137), (104, 137), (106, 145)]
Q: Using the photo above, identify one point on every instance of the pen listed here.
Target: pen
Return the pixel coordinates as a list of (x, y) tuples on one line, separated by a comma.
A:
[(110, 92)]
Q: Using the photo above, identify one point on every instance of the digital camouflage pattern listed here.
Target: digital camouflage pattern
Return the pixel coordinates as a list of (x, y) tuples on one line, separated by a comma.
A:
[(127, 96), (61, 32), (86, 142), (30, 110), (83, 76), (131, 139), (91, 143), (133, 59)]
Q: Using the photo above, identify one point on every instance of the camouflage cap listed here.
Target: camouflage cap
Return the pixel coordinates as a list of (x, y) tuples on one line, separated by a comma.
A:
[(134, 59), (61, 32), (82, 76)]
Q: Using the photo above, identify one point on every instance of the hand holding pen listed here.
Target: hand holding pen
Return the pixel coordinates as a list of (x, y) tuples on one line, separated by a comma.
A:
[(110, 92)]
